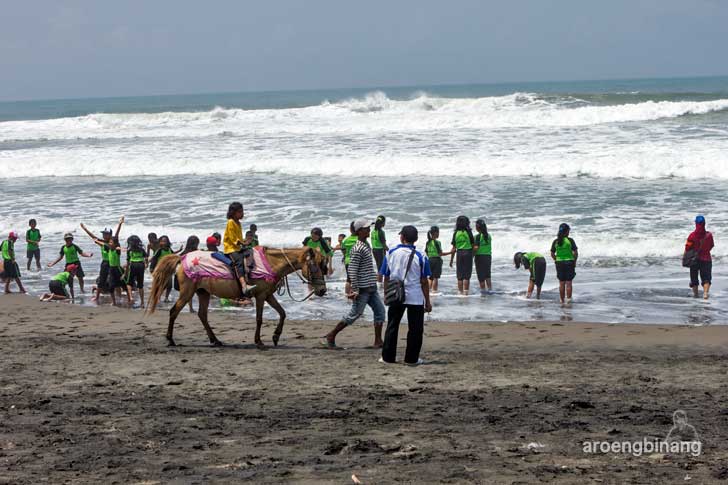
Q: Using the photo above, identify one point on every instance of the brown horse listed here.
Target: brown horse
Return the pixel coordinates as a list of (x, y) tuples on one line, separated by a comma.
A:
[(282, 261)]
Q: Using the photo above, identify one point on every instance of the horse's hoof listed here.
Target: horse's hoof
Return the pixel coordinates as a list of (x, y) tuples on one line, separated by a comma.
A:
[(261, 346), (217, 343), (170, 343), (276, 338)]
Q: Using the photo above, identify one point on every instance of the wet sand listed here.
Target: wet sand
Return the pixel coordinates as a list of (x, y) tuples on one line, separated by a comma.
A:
[(93, 395)]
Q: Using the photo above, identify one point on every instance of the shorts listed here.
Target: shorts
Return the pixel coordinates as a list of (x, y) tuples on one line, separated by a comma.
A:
[(538, 272), (10, 269), (378, 258), (103, 280), (33, 253), (565, 270), (79, 271), (115, 278), (464, 260), (705, 270), (57, 288), (436, 267), (367, 296), (135, 278), (482, 266)]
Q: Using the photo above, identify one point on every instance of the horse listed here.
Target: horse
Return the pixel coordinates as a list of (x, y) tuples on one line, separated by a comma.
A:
[(282, 261)]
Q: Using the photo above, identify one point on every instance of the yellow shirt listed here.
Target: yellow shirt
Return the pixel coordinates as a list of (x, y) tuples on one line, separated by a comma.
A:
[(233, 237)]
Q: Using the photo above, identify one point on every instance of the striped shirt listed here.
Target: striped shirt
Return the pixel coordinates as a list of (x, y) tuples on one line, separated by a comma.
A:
[(361, 266)]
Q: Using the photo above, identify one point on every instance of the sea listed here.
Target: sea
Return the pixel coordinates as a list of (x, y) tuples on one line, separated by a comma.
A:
[(628, 164)]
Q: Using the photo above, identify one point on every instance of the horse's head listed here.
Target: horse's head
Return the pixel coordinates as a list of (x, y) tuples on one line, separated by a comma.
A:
[(313, 267)]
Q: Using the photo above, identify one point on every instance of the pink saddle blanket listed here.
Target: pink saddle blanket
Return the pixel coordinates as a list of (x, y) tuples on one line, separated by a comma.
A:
[(262, 269), (201, 264)]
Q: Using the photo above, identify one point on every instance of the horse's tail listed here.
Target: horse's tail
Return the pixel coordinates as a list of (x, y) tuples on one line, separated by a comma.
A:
[(164, 270)]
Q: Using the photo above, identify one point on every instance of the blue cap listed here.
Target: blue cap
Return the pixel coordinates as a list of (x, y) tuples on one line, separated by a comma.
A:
[(700, 220)]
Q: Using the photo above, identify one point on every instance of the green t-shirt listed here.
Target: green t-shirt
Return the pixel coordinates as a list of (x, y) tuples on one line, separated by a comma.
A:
[(317, 245), (114, 258), (461, 240), (484, 245), (565, 250), (136, 256), (63, 277), (71, 253), (7, 249), (346, 246), (433, 248), (105, 253), (32, 236), (378, 239), (531, 257)]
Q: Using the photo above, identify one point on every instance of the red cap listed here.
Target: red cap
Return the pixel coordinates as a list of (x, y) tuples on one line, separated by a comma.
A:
[(12, 235), (71, 268), (212, 240)]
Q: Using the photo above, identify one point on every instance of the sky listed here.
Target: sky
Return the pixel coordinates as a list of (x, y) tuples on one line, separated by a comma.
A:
[(52, 49)]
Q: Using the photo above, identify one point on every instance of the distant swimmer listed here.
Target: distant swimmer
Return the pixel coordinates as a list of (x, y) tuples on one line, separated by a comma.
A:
[(483, 256), (463, 243), (697, 257), (535, 264), (565, 253)]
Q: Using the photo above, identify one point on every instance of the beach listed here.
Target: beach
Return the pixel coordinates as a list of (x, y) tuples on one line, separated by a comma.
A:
[(93, 395)]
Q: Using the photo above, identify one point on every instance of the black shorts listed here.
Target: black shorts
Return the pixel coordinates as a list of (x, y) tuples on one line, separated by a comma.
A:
[(79, 271), (464, 260), (538, 272), (33, 253), (10, 269), (57, 288), (705, 270), (103, 280), (482, 266), (115, 277), (135, 278), (565, 270), (378, 258), (436, 266)]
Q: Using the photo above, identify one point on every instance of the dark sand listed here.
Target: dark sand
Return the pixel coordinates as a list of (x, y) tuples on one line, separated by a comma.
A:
[(94, 395)]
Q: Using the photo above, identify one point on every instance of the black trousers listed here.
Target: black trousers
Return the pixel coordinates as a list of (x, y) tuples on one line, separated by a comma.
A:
[(416, 328)]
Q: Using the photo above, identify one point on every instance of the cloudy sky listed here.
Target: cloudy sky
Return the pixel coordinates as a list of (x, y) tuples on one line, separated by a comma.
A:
[(57, 49)]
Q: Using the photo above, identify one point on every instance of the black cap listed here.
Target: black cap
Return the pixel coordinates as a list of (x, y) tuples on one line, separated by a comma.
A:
[(409, 233)]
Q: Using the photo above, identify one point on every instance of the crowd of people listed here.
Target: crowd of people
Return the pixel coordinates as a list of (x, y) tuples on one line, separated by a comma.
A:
[(368, 260)]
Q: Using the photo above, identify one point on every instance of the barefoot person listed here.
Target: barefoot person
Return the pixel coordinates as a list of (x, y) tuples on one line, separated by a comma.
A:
[(102, 284), (405, 263), (379, 244), (137, 260), (72, 252), (700, 241), (565, 253), (433, 249), (57, 285), (32, 238), (11, 272), (363, 280), (483, 256), (535, 264), (462, 247)]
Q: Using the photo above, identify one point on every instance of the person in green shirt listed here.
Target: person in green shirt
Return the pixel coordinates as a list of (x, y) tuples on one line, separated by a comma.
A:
[(433, 250), (316, 241), (32, 237), (102, 282), (11, 272), (136, 264), (483, 256), (72, 252), (345, 246), (565, 253), (535, 264), (463, 243), (116, 272), (379, 244), (254, 230), (58, 284)]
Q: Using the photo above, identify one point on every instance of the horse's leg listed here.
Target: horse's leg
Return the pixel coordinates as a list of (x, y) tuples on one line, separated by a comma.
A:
[(202, 306), (273, 302), (186, 290), (259, 302)]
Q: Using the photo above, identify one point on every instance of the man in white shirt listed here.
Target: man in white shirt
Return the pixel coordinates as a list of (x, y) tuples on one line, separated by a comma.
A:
[(417, 297)]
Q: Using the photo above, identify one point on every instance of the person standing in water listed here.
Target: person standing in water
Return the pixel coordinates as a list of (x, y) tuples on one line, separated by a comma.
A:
[(565, 253), (462, 247), (483, 256), (102, 284), (701, 241), (72, 252), (379, 244), (11, 272), (137, 259), (535, 264), (32, 237), (433, 249)]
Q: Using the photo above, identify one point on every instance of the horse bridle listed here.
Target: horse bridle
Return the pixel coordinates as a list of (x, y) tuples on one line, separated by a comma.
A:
[(313, 269)]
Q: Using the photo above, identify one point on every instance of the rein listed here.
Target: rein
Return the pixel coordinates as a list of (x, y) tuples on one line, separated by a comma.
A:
[(284, 286)]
